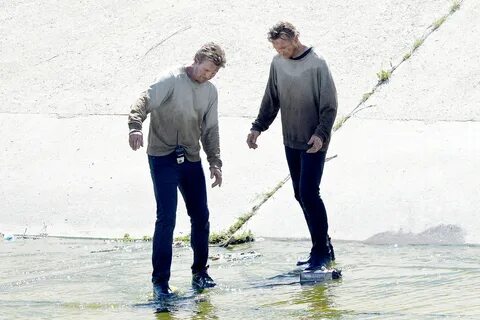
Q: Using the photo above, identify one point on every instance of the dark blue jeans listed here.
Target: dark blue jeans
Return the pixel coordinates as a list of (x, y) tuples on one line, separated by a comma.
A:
[(189, 178), (306, 171)]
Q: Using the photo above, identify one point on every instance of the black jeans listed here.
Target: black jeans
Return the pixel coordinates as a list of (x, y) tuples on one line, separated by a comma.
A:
[(189, 178), (306, 171)]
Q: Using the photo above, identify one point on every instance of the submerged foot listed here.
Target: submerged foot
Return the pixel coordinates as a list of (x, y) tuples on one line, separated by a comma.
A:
[(317, 263), (161, 291), (201, 280), (303, 261)]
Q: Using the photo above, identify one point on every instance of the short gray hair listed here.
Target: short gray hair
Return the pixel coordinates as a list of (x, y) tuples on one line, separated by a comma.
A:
[(212, 52), (282, 30)]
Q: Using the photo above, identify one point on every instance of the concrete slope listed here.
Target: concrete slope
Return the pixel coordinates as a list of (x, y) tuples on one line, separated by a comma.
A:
[(96, 56), (441, 81), (68, 73), (63, 180), (410, 161)]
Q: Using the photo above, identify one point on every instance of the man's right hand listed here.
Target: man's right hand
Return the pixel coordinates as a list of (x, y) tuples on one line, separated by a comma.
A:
[(252, 139), (136, 140)]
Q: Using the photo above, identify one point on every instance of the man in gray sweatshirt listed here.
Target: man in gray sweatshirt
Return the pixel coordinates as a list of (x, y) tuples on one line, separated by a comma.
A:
[(300, 85), (182, 105)]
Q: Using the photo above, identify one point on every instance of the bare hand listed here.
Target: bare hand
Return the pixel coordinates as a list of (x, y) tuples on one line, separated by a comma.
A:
[(316, 143), (217, 173), (252, 139), (136, 140)]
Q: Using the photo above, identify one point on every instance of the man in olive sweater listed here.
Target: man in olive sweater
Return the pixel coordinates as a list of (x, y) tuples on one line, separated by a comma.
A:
[(300, 85), (182, 105)]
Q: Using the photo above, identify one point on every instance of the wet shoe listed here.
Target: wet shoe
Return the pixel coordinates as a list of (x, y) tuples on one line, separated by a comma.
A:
[(319, 263), (202, 280), (330, 248), (302, 261), (161, 290)]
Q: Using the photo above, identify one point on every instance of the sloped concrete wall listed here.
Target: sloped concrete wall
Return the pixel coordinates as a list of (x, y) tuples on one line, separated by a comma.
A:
[(68, 73), (408, 161)]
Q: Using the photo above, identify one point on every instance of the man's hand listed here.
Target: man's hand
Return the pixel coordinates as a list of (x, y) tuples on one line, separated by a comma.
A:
[(135, 139), (252, 139), (217, 173), (316, 143)]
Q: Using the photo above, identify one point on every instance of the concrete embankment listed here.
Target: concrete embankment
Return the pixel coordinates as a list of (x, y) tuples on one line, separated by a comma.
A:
[(69, 75)]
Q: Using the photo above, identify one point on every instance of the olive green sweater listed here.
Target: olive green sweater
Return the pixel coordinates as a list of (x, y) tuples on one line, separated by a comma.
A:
[(304, 91), (182, 112)]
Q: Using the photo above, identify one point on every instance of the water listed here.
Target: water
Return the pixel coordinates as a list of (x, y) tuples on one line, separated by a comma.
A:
[(93, 279)]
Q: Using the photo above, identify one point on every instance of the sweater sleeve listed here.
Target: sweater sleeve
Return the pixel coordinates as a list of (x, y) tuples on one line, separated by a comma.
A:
[(270, 105), (150, 99), (327, 107), (209, 132)]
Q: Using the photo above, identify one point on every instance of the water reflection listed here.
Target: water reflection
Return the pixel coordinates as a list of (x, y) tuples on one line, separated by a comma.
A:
[(80, 279), (204, 309), (318, 301), (200, 307)]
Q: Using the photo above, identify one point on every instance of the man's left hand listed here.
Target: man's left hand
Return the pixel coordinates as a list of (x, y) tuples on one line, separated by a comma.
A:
[(316, 142), (217, 174)]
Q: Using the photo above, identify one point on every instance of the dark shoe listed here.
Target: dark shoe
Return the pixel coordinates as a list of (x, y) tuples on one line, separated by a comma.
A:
[(319, 263), (161, 290), (201, 280), (330, 248), (303, 261)]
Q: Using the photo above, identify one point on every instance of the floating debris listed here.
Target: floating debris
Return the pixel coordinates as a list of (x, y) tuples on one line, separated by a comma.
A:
[(241, 256)]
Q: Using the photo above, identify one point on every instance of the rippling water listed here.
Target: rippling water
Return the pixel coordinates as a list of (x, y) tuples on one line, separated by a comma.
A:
[(92, 279)]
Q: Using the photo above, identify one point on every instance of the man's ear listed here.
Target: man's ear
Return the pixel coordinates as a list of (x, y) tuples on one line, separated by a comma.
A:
[(295, 41)]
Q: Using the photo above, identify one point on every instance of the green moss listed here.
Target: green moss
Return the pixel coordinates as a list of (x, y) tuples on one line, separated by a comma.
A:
[(243, 237), (185, 238), (455, 6), (417, 44), (437, 23), (230, 236), (383, 75), (240, 222), (366, 96), (127, 238), (339, 122), (217, 238)]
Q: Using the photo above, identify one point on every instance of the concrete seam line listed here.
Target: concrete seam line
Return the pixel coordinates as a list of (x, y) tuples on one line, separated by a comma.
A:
[(245, 218), (256, 207), (165, 39), (360, 106), (417, 44)]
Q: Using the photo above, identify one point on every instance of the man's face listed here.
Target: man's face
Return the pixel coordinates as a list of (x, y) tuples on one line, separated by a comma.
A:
[(204, 71), (286, 48)]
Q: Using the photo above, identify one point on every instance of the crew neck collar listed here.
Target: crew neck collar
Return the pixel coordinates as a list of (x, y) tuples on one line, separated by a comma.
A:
[(303, 54)]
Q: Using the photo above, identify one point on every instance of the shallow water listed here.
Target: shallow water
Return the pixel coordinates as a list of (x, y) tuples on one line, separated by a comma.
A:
[(94, 279)]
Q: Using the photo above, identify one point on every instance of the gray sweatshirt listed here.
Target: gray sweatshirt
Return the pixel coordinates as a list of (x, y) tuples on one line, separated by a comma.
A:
[(182, 112), (304, 91)]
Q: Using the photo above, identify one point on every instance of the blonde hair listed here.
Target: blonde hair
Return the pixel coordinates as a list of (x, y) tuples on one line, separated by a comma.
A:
[(212, 52)]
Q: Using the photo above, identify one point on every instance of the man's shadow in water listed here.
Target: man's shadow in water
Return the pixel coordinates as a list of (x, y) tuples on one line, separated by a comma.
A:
[(316, 298), (318, 301), (192, 304)]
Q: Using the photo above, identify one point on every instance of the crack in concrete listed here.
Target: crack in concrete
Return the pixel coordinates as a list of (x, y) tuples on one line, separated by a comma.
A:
[(433, 27), (165, 39), (361, 105)]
